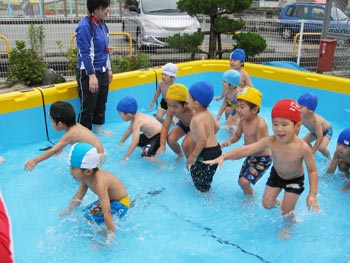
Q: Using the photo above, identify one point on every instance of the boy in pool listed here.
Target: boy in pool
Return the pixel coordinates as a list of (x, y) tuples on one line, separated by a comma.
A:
[(341, 157), (150, 127), (177, 97), (288, 153), (169, 72), (112, 196), (320, 129), (230, 80), (237, 58), (253, 127), (62, 116), (203, 127)]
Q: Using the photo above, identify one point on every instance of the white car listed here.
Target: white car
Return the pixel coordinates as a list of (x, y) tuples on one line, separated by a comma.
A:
[(150, 22)]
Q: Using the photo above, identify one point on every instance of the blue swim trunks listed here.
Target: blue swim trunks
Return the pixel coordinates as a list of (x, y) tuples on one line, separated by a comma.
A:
[(327, 133), (183, 127), (93, 212), (254, 167)]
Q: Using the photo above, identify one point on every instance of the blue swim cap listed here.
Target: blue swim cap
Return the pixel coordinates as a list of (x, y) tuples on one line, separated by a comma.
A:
[(83, 155), (203, 92), (232, 77), (308, 100), (344, 137), (238, 54), (127, 105)]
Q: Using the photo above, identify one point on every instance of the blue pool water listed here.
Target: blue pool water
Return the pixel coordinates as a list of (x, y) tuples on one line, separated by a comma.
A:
[(169, 220)]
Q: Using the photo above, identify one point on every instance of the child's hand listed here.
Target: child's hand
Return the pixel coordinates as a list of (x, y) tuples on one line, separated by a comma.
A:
[(311, 202), (219, 160), (160, 150), (121, 143), (151, 105), (30, 165), (225, 144), (63, 213)]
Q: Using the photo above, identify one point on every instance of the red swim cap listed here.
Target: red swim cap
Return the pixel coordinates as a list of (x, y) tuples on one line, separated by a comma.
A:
[(286, 108)]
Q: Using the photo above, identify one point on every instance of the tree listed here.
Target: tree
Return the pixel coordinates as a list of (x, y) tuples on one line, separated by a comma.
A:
[(216, 11)]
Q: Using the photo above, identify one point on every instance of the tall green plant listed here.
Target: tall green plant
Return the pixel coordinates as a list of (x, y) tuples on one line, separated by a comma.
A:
[(25, 66), (127, 63), (36, 37)]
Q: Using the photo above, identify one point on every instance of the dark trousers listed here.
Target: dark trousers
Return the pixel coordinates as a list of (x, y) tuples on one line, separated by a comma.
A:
[(92, 105)]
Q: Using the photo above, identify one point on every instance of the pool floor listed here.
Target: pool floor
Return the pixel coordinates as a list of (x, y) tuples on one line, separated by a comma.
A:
[(169, 220)]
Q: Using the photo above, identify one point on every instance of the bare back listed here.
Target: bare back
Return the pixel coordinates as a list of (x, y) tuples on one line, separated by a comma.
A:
[(314, 121), (146, 124), (204, 126)]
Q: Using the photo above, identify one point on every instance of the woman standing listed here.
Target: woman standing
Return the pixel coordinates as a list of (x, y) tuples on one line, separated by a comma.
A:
[(94, 68)]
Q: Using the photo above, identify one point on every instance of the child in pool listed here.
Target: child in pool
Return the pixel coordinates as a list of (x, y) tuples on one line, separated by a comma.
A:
[(112, 196), (63, 118), (341, 157), (169, 72), (320, 129), (237, 58), (230, 80), (288, 154), (203, 127), (144, 128), (177, 97), (253, 127)]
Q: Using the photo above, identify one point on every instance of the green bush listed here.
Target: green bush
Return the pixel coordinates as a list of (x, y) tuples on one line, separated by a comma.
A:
[(25, 66), (127, 63), (252, 43), (187, 42)]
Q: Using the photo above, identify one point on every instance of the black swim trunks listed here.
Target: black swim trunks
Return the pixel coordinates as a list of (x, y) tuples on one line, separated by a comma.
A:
[(163, 104), (202, 174), (150, 145), (186, 129), (295, 185)]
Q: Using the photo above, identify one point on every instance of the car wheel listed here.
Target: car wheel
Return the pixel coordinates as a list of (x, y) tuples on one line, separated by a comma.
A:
[(286, 33)]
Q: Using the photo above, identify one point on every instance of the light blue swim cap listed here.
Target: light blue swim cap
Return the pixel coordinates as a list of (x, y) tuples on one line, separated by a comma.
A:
[(232, 77), (83, 155)]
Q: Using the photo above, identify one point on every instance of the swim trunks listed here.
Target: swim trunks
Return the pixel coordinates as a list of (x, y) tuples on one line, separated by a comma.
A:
[(93, 212), (186, 129), (328, 133), (254, 167), (295, 185), (202, 174), (150, 145), (163, 104)]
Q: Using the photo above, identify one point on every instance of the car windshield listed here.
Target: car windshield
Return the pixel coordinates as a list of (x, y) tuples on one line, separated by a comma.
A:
[(338, 15), (155, 6)]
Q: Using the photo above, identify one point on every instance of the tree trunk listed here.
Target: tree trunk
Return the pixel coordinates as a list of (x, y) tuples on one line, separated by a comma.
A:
[(212, 39)]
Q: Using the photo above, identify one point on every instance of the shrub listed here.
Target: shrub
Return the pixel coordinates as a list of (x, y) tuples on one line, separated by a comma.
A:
[(25, 66), (127, 63), (252, 43)]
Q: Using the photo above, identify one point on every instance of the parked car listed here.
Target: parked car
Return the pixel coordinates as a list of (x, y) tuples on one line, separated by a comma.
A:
[(150, 22), (289, 20)]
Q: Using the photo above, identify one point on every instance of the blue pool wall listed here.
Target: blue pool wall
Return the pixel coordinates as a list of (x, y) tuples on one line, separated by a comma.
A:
[(22, 114)]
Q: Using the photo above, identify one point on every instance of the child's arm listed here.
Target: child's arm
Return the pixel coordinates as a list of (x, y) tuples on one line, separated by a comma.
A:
[(221, 95), (76, 200), (134, 142), (241, 152), (155, 97), (197, 128), (235, 137), (333, 164), (125, 135), (319, 134), (106, 209), (164, 132), (29, 166), (221, 110), (311, 200)]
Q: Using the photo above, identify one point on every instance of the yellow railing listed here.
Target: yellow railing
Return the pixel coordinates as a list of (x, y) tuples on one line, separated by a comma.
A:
[(7, 44), (296, 38), (72, 41)]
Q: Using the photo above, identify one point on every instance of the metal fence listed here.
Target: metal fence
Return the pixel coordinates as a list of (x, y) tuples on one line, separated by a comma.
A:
[(59, 38)]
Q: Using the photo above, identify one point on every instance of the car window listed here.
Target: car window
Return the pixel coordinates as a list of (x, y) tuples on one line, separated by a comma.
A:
[(301, 12), (152, 6), (290, 11), (317, 13), (338, 15)]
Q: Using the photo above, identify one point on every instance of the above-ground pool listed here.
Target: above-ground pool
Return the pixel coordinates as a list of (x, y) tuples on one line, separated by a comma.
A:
[(169, 220)]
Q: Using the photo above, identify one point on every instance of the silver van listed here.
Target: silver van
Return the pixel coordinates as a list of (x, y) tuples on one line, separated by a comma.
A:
[(150, 22)]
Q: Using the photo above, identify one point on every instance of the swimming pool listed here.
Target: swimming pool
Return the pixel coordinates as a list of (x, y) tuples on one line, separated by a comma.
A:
[(170, 221)]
